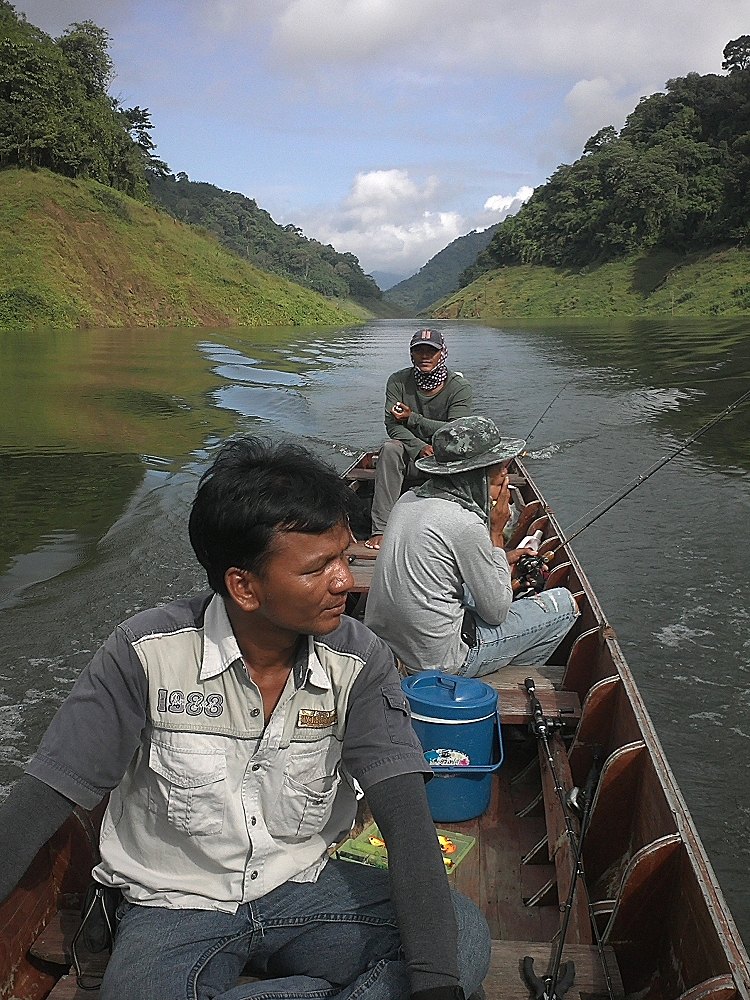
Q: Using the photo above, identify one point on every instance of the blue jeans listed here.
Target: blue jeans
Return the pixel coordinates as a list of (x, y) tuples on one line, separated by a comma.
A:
[(533, 629), (334, 938)]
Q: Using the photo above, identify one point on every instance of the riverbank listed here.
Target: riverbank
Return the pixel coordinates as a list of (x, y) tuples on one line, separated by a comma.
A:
[(660, 283), (77, 254)]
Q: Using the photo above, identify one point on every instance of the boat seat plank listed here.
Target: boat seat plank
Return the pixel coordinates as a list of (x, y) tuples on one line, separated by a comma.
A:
[(362, 570), (515, 708), (358, 550), (358, 474), (53, 944), (505, 977), (561, 850)]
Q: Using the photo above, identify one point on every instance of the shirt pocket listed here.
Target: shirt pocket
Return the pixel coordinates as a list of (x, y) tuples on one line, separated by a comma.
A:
[(398, 717), (308, 791), (188, 788)]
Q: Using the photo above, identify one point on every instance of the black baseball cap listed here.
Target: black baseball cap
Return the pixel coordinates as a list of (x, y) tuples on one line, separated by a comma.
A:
[(430, 337)]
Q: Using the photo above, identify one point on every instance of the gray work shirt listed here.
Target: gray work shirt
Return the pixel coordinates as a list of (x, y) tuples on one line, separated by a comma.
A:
[(211, 804), (430, 550)]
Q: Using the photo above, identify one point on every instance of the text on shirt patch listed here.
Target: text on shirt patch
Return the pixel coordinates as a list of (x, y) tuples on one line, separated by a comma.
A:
[(194, 703), (310, 718)]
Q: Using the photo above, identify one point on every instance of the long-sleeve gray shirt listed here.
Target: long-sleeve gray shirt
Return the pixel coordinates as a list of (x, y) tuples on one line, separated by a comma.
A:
[(432, 548), (429, 413)]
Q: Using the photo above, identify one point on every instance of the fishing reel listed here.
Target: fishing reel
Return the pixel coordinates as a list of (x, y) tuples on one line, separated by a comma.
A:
[(530, 575)]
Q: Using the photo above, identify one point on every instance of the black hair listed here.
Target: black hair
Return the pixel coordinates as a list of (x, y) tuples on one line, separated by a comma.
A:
[(253, 490)]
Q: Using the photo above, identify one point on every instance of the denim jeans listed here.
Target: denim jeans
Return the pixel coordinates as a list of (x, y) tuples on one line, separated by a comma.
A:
[(534, 627), (334, 938)]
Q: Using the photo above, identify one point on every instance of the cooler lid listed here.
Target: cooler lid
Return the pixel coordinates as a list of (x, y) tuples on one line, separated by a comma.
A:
[(444, 696)]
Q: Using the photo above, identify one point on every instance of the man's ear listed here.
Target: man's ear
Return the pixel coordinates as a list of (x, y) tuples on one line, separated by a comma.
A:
[(243, 588)]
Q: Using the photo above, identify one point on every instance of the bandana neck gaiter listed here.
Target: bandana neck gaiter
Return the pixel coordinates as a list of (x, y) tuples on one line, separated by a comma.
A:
[(427, 381)]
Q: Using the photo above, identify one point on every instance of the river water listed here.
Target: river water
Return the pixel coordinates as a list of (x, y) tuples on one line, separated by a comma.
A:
[(103, 435)]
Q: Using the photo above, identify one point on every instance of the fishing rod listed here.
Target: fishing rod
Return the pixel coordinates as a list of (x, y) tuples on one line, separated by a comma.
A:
[(635, 483), (549, 407), (558, 981), (530, 572)]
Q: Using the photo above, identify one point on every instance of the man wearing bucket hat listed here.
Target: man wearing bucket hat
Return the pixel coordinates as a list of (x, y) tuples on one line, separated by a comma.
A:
[(441, 593), (418, 401)]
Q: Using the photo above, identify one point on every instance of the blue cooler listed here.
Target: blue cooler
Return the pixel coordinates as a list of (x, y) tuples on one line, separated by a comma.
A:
[(457, 720)]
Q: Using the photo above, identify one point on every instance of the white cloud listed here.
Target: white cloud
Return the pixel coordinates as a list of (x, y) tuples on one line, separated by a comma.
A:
[(394, 222), (634, 37), (591, 105), (503, 204)]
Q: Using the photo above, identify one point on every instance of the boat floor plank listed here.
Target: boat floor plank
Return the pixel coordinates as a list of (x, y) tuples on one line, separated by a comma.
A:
[(505, 978), (491, 873), (67, 988)]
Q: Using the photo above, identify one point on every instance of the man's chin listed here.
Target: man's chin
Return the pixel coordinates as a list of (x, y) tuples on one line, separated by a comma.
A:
[(329, 622)]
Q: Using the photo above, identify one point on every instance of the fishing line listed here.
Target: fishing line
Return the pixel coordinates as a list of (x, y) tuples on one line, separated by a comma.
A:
[(608, 503), (549, 407)]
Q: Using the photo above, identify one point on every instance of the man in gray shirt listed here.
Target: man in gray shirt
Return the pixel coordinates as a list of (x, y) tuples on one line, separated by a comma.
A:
[(418, 401), (441, 593), (232, 731)]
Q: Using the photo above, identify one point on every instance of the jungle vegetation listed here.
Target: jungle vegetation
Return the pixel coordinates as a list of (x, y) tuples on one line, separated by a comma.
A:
[(675, 178)]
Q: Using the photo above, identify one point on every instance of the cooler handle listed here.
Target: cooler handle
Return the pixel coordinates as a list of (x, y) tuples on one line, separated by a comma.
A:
[(475, 768)]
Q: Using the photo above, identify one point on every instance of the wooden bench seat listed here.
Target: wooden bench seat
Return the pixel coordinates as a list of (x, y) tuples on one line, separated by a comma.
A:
[(515, 708)]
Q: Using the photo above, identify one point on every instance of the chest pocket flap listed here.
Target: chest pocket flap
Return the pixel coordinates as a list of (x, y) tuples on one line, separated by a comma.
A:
[(188, 787)]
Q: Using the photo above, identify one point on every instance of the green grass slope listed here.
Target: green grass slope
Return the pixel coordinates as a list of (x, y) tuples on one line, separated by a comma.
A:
[(75, 254), (660, 283)]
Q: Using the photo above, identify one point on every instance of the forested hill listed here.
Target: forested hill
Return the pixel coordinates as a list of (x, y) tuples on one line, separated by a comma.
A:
[(76, 253), (675, 178), (440, 275), (249, 231), (56, 113)]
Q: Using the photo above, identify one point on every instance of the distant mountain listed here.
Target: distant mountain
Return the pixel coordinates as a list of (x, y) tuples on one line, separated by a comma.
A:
[(250, 232), (387, 279), (439, 276)]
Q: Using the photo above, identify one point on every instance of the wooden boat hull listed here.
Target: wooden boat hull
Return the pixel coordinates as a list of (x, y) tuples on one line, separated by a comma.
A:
[(648, 920)]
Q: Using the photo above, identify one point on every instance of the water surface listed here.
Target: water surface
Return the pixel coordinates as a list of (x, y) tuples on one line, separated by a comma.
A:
[(103, 435)]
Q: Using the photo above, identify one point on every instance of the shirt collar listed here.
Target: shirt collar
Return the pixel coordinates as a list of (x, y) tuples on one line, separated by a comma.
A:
[(220, 650), (308, 668)]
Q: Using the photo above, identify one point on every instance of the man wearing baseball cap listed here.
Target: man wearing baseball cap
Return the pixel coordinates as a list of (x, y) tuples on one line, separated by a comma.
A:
[(418, 401)]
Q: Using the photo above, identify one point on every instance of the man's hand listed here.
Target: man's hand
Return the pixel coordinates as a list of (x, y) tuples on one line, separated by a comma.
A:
[(515, 554), (500, 511), (427, 452), (401, 412)]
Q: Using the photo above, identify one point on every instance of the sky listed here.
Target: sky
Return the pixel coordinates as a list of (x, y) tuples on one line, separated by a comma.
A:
[(388, 128)]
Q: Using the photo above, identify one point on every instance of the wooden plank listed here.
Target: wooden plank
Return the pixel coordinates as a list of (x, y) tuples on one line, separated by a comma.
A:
[(358, 474), (68, 989), (515, 708), (362, 572), (505, 977), (561, 849), (716, 988), (358, 550), (53, 944)]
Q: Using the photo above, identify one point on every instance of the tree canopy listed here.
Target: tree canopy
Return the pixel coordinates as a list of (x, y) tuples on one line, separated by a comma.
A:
[(55, 111), (677, 176), (249, 231)]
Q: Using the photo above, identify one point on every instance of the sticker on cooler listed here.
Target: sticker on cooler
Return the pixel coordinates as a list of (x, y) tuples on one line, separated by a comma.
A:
[(446, 758)]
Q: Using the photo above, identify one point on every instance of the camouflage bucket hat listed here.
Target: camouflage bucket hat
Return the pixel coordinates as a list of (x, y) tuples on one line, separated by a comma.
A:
[(468, 443)]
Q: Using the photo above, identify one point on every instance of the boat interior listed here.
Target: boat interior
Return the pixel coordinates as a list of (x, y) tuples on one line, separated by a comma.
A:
[(646, 919)]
